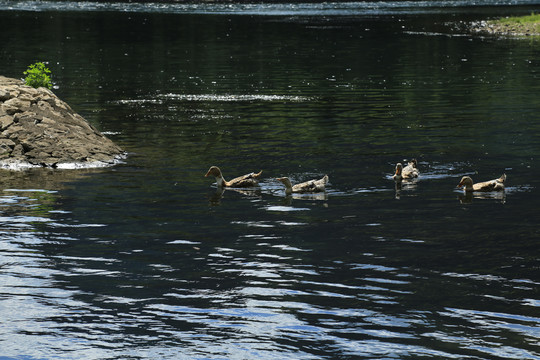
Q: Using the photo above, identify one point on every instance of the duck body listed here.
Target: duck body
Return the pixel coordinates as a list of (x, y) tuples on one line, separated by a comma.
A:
[(311, 186), (244, 181), (411, 170), (491, 185)]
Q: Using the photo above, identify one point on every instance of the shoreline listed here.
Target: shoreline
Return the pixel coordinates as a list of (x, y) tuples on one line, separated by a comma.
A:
[(516, 26)]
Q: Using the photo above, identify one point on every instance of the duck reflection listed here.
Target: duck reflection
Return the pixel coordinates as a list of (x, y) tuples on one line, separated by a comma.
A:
[(405, 185), (468, 196), (314, 197), (215, 197), (398, 190)]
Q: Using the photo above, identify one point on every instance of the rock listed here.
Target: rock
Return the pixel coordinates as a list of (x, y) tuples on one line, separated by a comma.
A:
[(6, 147), (39, 129), (4, 95), (5, 122), (19, 104)]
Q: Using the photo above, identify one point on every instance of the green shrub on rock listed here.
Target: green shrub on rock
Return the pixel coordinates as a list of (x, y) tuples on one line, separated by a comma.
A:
[(37, 75)]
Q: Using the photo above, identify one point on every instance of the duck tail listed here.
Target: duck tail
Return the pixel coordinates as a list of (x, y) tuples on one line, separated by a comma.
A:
[(256, 175), (502, 179), (325, 179)]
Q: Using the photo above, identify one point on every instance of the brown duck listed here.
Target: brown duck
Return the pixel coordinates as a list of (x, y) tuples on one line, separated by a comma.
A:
[(310, 186), (408, 172), (248, 180), (491, 185)]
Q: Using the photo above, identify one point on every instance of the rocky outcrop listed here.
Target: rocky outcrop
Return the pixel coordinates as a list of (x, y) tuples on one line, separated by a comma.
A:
[(39, 129)]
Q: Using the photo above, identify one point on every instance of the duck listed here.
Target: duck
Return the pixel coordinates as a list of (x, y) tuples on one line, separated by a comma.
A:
[(491, 185), (408, 172), (248, 180), (311, 186)]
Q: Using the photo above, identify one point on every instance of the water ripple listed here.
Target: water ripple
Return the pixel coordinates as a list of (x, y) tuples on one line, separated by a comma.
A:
[(215, 98), (135, 262)]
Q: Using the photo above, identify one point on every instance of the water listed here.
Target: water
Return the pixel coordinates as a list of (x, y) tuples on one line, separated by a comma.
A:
[(146, 260)]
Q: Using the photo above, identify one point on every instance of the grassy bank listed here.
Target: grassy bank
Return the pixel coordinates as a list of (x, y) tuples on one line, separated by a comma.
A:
[(518, 25)]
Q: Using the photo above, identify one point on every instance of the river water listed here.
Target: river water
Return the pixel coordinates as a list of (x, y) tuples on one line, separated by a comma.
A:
[(146, 260)]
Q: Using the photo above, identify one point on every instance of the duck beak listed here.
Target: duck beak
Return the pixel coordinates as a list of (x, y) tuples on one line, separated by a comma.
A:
[(207, 174)]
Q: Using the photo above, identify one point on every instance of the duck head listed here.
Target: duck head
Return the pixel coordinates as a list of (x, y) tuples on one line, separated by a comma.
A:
[(467, 182), (215, 172), (285, 181)]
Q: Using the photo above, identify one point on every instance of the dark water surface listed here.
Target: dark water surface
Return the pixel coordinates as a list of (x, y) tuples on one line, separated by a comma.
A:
[(145, 260)]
